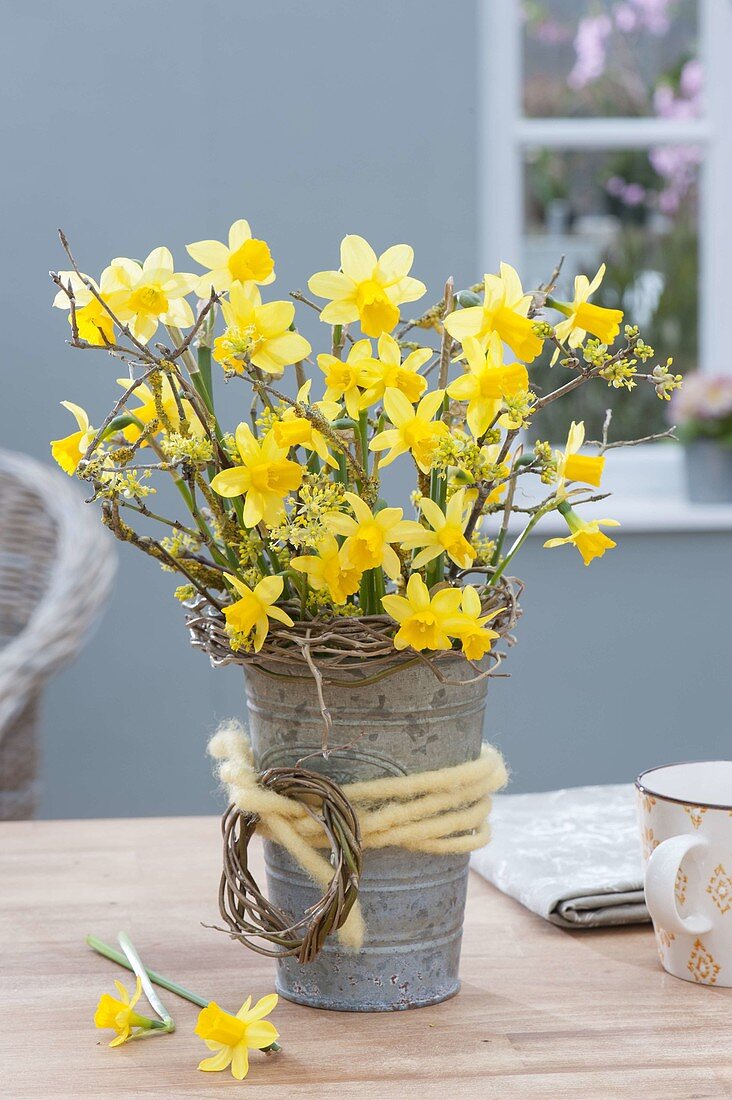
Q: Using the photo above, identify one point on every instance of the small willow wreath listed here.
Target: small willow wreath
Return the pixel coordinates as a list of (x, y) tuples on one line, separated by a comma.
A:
[(250, 916)]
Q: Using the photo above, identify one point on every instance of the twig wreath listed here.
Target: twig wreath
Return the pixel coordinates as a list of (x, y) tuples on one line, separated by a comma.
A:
[(250, 917)]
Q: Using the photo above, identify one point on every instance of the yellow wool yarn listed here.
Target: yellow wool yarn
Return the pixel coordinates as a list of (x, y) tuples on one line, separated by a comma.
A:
[(444, 811)]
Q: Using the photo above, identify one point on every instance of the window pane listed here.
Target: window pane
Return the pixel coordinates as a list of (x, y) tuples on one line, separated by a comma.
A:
[(636, 211), (601, 58)]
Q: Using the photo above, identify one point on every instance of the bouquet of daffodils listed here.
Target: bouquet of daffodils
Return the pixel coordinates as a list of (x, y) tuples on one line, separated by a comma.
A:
[(286, 479)]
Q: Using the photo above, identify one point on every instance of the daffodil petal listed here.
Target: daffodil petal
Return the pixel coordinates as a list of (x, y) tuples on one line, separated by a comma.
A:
[(219, 1061)]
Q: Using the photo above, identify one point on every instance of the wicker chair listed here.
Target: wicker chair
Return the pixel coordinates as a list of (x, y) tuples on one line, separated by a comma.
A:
[(56, 569)]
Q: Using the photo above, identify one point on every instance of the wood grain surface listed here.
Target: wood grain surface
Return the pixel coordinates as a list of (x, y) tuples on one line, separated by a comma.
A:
[(542, 1012)]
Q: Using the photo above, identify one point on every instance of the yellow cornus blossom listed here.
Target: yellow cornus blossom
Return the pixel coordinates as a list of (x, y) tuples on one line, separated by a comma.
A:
[(414, 430), (586, 536), (342, 380), (369, 536), (70, 450), (328, 569), (572, 466), (92, 320), (503, 311), (422, 619), (232, 1037), (118, 1014), (469, 625), (255, 608), (583, 316), (389, 373), (294, 430), (265, 477), (244, 260), (486, 382), (258, 333), (446, 535), (146, 411), (153, 292), (368, 288)]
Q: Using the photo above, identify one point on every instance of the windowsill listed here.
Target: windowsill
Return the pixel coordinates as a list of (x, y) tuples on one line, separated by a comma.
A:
[(648, 495)]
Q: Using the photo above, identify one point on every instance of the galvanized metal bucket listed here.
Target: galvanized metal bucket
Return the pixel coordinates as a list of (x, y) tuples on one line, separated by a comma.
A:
[(413, 903)]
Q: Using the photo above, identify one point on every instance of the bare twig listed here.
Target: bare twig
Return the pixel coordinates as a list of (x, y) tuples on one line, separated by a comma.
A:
[(446, 342)]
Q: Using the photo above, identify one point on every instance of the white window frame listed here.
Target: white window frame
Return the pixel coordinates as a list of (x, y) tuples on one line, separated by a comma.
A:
[(504, 135)]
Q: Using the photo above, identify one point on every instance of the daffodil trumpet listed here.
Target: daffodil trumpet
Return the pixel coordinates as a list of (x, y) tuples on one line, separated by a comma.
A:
[(293, 518), (121, 959)]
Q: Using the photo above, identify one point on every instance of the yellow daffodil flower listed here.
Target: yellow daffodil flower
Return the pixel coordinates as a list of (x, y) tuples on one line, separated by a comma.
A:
[(422, 618), (586, 536), (233, 1036), (389, 373), (343, 379), (70, 450), (119, 1015), (486, 382), (258, 333), (503, 311), (265, 477), (93, 322), (414, 430), (583, 316), (294, 430), (572, 466), (146, 411), (367, 289), (328, 569), (154, 292), (255, 608), (469, 625), (244, 260), (369, 536), (446, 534)]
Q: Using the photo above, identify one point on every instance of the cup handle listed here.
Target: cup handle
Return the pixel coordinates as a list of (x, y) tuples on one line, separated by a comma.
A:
[(660, 885)]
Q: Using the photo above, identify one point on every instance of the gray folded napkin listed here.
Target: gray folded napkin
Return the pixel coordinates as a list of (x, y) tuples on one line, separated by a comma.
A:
[(572, 856)]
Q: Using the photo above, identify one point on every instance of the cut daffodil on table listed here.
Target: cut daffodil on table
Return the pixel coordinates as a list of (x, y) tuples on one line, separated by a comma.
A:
[(233, 1036)]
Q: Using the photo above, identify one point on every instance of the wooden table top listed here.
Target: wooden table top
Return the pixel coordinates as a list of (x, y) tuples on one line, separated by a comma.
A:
[(542, 1012)]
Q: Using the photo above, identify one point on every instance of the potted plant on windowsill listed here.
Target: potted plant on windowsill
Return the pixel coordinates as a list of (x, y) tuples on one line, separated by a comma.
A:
[(703, 414), (366, 638)]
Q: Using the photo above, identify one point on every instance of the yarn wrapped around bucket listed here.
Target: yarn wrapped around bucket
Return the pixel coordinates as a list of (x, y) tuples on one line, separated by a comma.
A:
[(443, 811)]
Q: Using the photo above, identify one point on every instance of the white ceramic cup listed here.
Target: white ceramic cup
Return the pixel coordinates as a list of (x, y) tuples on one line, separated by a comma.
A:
[(685, 814)]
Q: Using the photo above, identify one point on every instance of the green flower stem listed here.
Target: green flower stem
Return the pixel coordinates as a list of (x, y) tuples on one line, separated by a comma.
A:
[(363, 435), (341, 474), (435, 571), (113, 955), (164, 983), (379, 589), (136, 964), (517, 545), (367, 594), (204, 367), (561, 307), (338, 340), (313, 463)]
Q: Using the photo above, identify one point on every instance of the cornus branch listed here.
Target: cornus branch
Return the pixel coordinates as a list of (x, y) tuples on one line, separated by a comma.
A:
[(142, 348), (300, 297), (542, 292), (603, 445), (117, 408)]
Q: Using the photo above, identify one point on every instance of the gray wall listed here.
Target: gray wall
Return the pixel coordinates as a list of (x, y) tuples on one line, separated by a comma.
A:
[(123, 126)]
